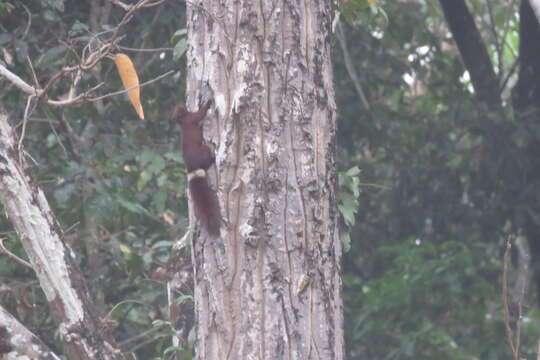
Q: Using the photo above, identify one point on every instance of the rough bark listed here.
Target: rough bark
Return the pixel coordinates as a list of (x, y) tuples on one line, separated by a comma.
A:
[(52, 259), (270, 287), (17, 342)]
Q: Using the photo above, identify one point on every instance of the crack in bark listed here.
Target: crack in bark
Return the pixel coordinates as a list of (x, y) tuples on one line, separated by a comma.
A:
[(270, 156)]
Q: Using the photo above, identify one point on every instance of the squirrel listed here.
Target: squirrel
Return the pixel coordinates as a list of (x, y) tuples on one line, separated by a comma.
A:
[(198, 157)]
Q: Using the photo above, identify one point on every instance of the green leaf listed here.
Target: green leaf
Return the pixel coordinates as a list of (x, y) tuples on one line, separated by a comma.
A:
[(55, 4), (135, 208), (173, 349), (345, 238), (178, 34), (144, 178), (162, 243), (146, 156), (158, 200), (126, 250), (174, 156), (157, 164), (348, 207), (182, 299), (352, 172), (179, 49)]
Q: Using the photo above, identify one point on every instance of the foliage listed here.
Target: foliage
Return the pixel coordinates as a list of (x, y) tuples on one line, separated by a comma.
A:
[(98, 164), (416, 309), (349, 191), (354, 12), (422, 278)]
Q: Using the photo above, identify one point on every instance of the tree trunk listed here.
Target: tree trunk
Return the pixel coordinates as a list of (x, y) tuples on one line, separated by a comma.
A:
[(17, 342), (526, 101), (270, 287), (83, 335)]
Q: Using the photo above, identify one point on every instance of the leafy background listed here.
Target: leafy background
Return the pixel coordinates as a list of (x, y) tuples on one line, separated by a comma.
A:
[(425, 231)]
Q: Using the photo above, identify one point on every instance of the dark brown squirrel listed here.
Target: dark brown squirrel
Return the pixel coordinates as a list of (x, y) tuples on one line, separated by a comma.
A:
[(198, 157)]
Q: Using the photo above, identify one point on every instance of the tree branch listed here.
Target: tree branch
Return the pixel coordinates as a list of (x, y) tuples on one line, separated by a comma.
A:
[(17, 342), (340, 34), (91, 56), (20, 83), (473, 52), (53, 261)]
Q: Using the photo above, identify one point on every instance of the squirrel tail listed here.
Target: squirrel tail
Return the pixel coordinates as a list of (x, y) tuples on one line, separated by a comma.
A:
[(206, 205)]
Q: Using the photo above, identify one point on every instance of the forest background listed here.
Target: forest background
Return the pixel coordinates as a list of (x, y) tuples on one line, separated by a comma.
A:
[(439, 158)]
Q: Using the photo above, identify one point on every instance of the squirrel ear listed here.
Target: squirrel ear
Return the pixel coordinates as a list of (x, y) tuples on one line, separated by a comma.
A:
[(178, 112)]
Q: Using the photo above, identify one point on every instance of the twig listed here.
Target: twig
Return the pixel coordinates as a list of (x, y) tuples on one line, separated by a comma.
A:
[(127, 7), (130, 88), (71, 227), (510, 73), (13, 256), (520, 288), (62, 103), (506, 307), (146, 50), (58, 137), (17, 81), (128, 301), (340, 34), (121, 4), (27, 28), (27, 111), (36, 82), (140, 336)]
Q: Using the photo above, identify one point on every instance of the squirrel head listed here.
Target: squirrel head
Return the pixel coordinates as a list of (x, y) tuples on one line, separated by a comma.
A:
[(179, 112)]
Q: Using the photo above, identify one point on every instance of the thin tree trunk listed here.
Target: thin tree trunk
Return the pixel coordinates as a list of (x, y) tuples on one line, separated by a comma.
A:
[(526, 102), (270, 287), (59, 276), (473, 52)]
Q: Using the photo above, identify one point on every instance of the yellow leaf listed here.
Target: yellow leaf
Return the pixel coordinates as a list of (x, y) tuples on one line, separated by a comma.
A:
[(124, 249), (168, 218), (129, 77)]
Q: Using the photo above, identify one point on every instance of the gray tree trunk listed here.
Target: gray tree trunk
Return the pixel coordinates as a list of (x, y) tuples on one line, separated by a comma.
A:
[(270, 287), (83, 335)]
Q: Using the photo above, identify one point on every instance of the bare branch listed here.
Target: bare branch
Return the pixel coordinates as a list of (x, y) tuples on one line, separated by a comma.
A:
[(13, 256), (78, 98), (30, 106), (89, 60), (130, 88), (511, 72), (340, 34), (25, 32), (121, 4), (36, 82), (20, 83), (146, 50)]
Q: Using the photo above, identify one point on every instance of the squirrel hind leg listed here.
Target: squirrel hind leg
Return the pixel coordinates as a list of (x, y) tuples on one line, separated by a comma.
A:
[(206, 205)]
